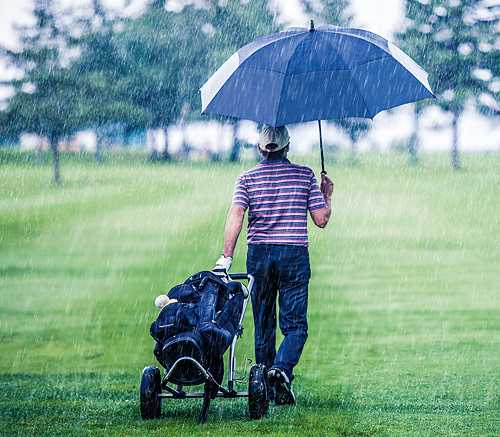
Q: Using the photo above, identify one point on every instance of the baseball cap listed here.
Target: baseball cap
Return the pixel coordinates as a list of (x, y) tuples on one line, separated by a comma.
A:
[(272, 139)]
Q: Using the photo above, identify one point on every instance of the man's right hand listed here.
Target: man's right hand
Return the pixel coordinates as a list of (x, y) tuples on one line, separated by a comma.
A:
[(321, 216), (326, 186)]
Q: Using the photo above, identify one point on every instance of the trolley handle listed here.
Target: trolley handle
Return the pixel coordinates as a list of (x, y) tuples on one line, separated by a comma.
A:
[(239, 276)]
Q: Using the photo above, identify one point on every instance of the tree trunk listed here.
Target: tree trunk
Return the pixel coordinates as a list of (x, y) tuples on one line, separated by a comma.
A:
[(455, 163), (236, 147), (98, 145), (235, 150), (353, 156), (39, 154), (97, 152), (55, 153), (166, 154), (413, 145)]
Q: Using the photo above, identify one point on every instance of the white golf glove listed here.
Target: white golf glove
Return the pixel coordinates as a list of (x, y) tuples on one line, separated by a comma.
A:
[(222, 266)]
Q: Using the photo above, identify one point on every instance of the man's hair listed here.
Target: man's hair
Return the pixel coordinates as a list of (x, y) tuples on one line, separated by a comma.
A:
[(274, 155)]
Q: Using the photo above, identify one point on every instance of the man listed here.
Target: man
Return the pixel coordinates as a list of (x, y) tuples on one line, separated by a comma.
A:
[(278, 195)]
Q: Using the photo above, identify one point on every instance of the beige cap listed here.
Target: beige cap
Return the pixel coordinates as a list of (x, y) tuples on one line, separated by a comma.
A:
[(272, 139)]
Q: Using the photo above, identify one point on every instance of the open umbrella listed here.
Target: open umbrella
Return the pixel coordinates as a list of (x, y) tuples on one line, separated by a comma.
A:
[(310, 74)]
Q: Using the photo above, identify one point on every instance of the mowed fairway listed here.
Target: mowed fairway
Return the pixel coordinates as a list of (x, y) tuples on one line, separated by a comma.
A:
[(404, 311)]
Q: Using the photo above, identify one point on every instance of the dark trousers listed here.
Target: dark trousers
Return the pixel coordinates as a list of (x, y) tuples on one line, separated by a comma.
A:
[(280, 272)]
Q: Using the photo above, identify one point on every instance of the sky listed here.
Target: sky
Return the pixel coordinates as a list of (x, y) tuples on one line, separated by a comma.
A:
[(379, 16)]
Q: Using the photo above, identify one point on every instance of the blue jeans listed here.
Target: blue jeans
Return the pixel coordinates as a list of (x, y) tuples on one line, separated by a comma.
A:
[(281, 272)]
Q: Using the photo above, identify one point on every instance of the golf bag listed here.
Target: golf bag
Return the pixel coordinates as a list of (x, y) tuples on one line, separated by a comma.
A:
[(200, 325)]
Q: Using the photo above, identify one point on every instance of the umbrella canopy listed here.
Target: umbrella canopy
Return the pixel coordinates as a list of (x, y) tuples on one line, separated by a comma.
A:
[(302, 74)]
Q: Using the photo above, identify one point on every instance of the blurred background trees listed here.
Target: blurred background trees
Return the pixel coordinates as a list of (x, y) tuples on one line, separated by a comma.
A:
[(457, 43), (94, 69), (143, 73)]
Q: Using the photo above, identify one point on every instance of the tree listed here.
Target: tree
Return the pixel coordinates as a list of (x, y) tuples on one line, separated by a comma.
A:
[(489, 11), (445, 38), (169, 55), (334, 12), (47, 99), (230, 26), (233, 24), (106, 74), (356, 128)]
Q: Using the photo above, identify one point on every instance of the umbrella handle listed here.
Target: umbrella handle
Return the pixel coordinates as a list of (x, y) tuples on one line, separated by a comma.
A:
[(321, 149)]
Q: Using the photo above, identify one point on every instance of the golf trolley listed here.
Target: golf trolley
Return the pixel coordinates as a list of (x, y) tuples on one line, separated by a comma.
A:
[(189, 355)]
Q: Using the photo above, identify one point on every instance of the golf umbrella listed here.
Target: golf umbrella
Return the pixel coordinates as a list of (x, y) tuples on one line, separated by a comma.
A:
[(302, 74)]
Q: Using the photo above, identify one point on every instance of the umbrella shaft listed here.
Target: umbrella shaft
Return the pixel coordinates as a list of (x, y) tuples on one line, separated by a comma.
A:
[(321, 148)]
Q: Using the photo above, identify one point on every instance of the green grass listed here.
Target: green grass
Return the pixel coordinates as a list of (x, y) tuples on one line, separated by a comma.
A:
[(404, 335)]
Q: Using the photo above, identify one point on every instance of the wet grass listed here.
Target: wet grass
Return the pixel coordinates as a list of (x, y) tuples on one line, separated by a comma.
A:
[(404, 331)]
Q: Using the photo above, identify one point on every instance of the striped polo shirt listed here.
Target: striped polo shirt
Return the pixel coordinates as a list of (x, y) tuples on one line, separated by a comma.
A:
[(278, 195)]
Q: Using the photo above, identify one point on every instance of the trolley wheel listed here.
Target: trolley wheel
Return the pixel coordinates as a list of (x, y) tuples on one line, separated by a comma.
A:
[(150, 389), (258, 392)]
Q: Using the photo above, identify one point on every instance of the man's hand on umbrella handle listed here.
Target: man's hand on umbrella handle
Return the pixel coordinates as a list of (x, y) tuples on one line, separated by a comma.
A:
[(326, 186)]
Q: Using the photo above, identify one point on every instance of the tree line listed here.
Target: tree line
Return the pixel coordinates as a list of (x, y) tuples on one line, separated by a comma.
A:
[(90, 68)]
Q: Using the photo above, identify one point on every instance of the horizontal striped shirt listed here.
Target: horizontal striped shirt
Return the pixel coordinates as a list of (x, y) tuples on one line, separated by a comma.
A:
[(278, 195)]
